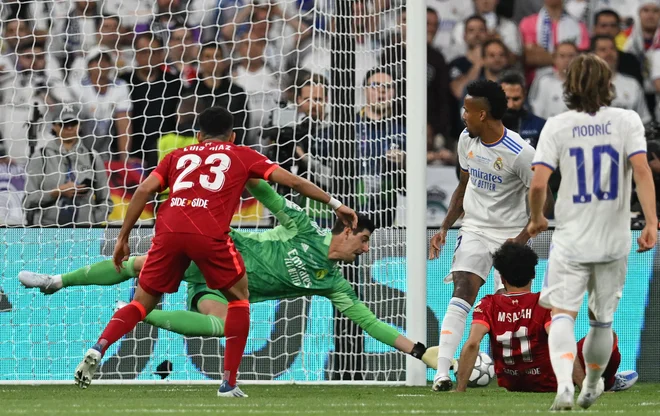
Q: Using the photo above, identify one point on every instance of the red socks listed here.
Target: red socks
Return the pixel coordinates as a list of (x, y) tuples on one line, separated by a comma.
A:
[(122, 322), (237, 327)]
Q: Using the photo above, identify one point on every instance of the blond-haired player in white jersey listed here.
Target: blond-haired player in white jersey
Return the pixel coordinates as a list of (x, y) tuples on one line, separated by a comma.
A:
[(496, 172), (599, 150)]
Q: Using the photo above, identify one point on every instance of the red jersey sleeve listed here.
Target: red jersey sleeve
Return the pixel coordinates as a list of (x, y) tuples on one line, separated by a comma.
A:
[(481, 312), (162, 171), (258, 165)]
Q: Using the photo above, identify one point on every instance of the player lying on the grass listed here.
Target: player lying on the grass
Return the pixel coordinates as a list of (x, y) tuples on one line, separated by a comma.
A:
[(295, 259), (517, 327)]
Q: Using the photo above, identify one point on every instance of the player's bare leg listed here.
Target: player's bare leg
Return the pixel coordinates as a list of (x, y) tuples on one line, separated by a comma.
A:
[(466, 288), (121, 323), (597, 351), (237, 327), (563, 351)]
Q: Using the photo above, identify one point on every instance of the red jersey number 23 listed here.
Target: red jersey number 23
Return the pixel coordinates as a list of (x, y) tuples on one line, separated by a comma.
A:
[(206, 181)]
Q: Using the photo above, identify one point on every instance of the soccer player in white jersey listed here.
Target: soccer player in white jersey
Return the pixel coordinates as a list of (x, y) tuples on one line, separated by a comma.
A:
[(599, 149), (496, 171)]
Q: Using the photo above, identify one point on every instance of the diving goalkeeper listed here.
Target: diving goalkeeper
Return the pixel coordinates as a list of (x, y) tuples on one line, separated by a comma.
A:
[(294, 259)]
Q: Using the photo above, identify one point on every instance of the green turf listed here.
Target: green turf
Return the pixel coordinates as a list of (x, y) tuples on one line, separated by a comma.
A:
[(642, 399)]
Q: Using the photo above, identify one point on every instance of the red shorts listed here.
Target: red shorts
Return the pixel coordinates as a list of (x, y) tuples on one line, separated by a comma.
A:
[(171, 253)]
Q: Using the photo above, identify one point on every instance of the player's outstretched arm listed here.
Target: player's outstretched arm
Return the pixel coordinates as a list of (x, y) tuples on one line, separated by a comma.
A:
[(646, 194), (453, 214), (365, 319), (262, 192), (469, 355), (141, 197), (308, 189)]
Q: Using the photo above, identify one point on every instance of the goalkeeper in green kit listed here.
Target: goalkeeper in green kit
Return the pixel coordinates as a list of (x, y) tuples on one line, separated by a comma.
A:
[(295, 259)]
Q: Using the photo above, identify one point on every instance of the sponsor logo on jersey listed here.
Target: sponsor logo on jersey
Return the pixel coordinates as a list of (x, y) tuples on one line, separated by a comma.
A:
[(484, 180), (305, 247), (321, 274), (478, 309), (296, 269), (498, 165), (185, 202)]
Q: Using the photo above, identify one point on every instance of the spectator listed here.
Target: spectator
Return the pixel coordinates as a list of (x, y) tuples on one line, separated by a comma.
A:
[(495, 58), (106, 106), (123, 58), (381, 148), (25, 95), (12, 32), (451, 12), (368, 49), (438, 95), (182, 54), (214, 88), (640, 42), (608, 23), (74, 30), (155, 97), (168, 14), (524, 8), (546, 93), (498, 28), (517, 116), (260, 83), (303, 141), (542, 32), (629, 93), (466, 69), (67, 183)]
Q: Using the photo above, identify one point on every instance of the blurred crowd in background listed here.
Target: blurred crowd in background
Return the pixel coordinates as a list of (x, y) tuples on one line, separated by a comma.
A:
[(94, 93)]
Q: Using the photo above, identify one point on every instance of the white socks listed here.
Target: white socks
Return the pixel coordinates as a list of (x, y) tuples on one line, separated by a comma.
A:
[(57, 282), (597, 351), (451, 333), (563, 350)]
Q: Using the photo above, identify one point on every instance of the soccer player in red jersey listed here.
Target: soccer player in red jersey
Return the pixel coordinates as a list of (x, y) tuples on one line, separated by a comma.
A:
[(206, 181), (517, 326)]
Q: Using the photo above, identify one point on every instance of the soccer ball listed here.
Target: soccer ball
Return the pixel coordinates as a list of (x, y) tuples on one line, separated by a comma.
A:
[(483, 371)]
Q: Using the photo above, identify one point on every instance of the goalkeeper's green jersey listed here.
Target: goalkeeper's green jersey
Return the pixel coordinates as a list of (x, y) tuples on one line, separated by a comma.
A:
[(288, 261)]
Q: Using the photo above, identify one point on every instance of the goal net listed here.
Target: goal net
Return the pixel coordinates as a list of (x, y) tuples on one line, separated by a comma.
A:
[(93, 94)]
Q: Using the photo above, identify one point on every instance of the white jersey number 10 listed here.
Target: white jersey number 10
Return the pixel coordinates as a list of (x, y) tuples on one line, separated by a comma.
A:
[(597, 154)]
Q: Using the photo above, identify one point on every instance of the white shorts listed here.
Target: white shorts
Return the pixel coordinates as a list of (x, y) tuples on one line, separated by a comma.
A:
[(566, 282), (474, 254)]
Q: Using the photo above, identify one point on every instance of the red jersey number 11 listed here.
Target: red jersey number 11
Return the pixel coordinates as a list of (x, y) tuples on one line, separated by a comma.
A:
[(506, 339)]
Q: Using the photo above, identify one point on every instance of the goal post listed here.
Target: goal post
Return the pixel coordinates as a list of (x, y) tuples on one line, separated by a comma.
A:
[(416, 239)]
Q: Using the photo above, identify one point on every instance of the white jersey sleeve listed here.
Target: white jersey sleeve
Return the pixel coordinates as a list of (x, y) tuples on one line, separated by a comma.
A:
[(636, 141), (462, 150), (523, 165), (547, 151)]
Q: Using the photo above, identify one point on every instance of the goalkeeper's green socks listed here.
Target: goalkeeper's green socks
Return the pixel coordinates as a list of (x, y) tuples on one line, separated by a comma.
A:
[(187, 323), (102, 273)]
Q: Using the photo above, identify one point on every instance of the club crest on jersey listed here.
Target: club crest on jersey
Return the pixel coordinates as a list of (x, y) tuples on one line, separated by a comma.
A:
[(321, 274), (498, 165), (470, 155)]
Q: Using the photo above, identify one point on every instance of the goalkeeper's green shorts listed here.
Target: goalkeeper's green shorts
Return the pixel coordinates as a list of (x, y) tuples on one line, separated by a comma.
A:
[(197, 289)]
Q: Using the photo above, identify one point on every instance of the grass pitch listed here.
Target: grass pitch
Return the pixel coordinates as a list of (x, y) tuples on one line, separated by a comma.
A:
[(643, 399)]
